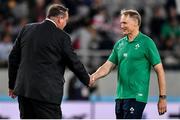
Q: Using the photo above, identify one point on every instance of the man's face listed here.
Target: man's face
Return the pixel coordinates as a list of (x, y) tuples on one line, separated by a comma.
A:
[(128, 24), (63, 21)]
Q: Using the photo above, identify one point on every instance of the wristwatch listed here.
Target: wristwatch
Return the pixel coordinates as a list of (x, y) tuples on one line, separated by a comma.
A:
[(162, 96)]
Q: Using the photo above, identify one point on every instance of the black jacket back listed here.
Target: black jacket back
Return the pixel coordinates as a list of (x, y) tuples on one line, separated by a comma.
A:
[(38, 60)]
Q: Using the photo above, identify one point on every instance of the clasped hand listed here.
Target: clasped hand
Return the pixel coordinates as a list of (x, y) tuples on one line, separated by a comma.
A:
[(92, 81)]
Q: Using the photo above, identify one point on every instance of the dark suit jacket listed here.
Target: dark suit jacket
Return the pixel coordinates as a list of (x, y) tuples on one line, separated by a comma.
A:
[(38, 60)]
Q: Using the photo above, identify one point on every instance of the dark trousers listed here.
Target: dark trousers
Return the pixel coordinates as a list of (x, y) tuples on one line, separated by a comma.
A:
[(34, 109), (129, 109)]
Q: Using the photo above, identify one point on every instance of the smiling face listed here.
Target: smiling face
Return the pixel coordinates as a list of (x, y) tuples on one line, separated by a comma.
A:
[(128, 24)]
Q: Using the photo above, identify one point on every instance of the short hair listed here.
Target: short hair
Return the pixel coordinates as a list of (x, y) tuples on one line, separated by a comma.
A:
[(56, 10), (133, 14)]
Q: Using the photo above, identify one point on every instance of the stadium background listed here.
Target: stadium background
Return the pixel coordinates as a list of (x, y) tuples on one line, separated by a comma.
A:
[(94, 28)]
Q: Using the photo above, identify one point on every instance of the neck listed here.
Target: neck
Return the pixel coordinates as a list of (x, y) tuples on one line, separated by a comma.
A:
[(52, 20), (132, 35)]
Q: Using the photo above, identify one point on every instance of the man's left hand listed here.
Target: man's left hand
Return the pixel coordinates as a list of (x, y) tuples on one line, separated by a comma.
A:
[(11, 93), (162, 106)]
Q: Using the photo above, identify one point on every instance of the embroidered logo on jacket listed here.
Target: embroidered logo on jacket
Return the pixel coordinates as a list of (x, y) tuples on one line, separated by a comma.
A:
[(137, 46)]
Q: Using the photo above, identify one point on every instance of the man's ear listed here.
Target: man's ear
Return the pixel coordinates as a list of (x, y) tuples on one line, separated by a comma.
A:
[(61, 19)]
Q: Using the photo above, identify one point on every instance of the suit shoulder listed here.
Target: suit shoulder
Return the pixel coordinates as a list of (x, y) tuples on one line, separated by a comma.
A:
[(66, 34), (63, 34), (30, 26)]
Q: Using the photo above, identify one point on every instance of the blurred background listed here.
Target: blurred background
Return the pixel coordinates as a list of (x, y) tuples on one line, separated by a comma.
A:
[(94, 27)]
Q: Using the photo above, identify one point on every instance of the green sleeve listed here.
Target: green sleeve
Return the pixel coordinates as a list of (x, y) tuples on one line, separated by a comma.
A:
[(152, 53), (113, 56)]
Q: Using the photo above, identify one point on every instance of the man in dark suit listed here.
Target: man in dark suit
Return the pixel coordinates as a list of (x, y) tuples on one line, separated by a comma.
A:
[(37, 63)]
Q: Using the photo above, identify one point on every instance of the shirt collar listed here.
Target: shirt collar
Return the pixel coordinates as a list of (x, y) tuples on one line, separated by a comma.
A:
[(136, 38), (51, 21)]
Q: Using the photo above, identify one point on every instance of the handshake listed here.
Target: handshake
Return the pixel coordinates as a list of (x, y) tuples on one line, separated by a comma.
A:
[(92, 80)]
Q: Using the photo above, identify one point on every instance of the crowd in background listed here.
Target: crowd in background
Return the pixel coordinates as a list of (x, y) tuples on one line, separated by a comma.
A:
[(94, 25)]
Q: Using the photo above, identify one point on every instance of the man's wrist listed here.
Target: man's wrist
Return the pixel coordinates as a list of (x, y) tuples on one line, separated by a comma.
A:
[(162, 96)]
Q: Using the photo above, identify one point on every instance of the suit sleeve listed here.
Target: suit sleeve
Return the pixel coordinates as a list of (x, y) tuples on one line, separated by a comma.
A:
[(14, 61), (73, 62)]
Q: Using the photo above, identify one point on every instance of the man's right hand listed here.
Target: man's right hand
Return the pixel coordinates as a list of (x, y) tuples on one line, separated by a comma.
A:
[(92, 81), (11, 93)]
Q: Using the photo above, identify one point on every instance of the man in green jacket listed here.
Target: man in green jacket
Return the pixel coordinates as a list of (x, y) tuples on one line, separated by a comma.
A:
[(133, 55)]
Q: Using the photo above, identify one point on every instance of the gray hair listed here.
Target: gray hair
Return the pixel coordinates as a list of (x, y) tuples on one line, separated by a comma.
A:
[(56, 10), (133, 14)]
